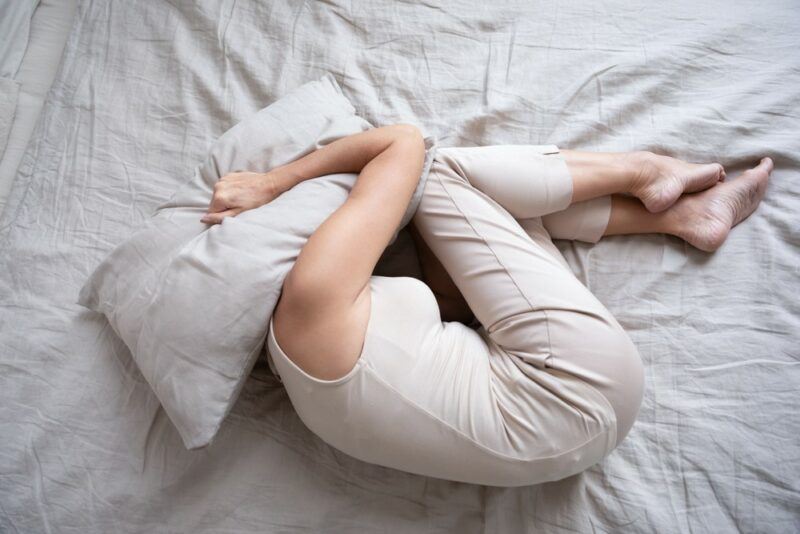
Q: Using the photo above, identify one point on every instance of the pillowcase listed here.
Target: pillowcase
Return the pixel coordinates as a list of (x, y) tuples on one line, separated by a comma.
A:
[(191, 301)]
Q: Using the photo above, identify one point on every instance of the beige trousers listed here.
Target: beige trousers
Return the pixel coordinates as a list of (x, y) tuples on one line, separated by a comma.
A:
[(545, 388)]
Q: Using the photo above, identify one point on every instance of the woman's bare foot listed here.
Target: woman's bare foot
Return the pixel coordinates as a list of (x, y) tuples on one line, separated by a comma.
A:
[(704, 219), (661, 180)]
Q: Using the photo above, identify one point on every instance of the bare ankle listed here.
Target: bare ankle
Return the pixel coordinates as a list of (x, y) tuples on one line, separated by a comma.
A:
[(671, 222), (638, 167)]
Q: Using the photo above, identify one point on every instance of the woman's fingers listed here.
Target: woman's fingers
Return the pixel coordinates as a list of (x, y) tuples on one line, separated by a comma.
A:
[(237, 192), (216, 218), (219, 202)]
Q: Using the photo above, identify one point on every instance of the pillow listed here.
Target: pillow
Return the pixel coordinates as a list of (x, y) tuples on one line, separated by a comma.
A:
[(191, 301)]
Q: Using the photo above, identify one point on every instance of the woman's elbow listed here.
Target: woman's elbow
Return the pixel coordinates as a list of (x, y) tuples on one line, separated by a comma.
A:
[(407, 129), (411, 135)]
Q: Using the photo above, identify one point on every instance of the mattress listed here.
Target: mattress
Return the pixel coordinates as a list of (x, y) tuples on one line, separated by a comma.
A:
[(34, 33), (145, 87)]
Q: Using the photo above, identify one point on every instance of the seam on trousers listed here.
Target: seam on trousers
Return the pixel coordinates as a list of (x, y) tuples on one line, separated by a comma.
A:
[(458, 432), (500, 263), (437, 176), (611, 412)]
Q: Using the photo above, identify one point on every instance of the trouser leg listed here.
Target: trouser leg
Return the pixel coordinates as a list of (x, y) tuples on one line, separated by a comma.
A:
[(527, 300), (581, 221)]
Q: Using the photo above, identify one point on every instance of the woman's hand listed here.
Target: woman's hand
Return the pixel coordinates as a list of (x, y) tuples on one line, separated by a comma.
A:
[(240, 191)]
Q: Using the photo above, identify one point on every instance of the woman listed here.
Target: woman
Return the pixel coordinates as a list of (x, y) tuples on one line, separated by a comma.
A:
[(548, 383)]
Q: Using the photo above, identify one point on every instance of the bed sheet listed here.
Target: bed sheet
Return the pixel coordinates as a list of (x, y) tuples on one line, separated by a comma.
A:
[(144, 89), (15, 24), (31, 58)]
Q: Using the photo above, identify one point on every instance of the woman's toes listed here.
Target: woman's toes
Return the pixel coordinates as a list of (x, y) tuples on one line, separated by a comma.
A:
[(761, 171), (701, 177), (663, 179), (749, 189), (704, 219)]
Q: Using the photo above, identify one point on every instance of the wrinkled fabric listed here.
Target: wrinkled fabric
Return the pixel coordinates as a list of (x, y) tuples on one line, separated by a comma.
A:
[(146, 87), (39, 41), (15, 26), (9, 89)]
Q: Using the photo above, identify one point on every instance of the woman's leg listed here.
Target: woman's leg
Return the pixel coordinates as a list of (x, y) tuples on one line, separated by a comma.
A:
[(655, 179), (535, 180), (534, 310), (538, 184), (581, 221), (702, 219)]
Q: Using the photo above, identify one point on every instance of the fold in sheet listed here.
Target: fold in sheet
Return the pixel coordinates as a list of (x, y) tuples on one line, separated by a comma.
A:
[(146, 87)]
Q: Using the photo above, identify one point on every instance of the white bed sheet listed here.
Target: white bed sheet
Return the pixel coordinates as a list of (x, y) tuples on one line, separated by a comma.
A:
[(146, 86), (31, 59), (15, 24)]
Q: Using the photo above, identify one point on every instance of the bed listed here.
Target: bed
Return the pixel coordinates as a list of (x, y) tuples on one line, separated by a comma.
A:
[(34, 33), (142, 90)]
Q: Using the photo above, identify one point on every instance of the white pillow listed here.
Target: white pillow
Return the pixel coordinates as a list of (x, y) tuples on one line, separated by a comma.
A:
[(192, 302)]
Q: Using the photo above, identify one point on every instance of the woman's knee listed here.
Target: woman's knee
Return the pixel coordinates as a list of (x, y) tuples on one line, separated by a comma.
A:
[(626, 383), (604, 356)]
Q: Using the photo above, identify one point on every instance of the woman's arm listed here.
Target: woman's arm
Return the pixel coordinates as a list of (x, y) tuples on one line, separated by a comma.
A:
[(323, 310), (349, 154), (240, 191), (336, 263)]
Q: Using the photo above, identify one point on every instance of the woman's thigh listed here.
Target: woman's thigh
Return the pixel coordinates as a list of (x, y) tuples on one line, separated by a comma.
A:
[(528, 301), (519, 401), (443, 400)]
